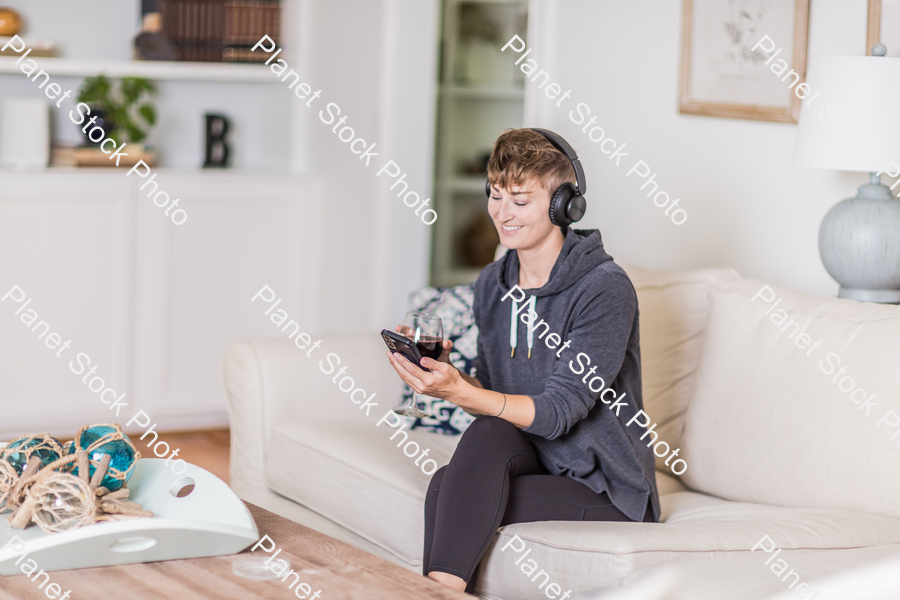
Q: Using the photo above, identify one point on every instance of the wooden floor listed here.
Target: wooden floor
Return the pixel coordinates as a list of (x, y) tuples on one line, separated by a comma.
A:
[(206, 449)]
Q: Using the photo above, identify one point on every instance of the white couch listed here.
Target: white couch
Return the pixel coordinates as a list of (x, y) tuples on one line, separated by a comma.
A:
[(773, 446)]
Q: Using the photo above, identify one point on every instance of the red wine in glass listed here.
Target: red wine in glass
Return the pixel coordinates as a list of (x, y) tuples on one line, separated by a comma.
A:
[(427, 333), (430, 346)]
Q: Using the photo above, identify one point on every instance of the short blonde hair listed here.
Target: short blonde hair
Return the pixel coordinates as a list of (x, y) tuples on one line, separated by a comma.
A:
[(523, 154)]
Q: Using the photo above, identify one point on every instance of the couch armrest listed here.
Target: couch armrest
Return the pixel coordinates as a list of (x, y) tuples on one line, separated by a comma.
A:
[(269, 381), (242, 383)]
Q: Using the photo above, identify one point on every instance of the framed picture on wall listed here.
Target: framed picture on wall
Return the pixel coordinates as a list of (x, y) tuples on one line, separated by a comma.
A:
[(721, 74), (884, 26)]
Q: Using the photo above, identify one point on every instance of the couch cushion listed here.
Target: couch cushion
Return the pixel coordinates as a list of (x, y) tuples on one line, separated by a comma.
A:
[(674, 308), (330, 466), (767, 424), (355, 475), (586, 556), (868, 573)]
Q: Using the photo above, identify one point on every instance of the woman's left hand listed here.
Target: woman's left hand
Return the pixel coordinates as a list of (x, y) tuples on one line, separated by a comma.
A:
[(441, 382)]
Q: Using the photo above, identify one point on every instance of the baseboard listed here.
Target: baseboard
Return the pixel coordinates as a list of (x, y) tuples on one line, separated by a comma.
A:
[(65, 426), (171, 421)]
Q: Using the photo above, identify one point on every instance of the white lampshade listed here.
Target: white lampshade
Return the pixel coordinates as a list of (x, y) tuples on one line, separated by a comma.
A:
[(854, 125)]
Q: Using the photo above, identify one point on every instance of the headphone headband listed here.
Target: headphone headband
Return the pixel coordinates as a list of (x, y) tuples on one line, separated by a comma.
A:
[(563, 146), (567, 203)]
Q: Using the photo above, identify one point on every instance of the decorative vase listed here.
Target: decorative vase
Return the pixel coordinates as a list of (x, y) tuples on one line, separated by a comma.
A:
[(10, 22), (859, 242), (104, 122), (478, 240)]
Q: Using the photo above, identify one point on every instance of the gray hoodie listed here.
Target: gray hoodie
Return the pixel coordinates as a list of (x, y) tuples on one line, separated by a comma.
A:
[(590, 303)]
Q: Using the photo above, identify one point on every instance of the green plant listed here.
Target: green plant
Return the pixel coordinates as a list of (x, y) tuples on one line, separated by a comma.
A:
[(128, 122)]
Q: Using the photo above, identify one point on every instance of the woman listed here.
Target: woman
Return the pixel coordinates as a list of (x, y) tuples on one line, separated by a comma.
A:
[(542, 448)]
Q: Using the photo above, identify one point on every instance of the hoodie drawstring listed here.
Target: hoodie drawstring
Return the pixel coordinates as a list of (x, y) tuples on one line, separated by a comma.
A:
[(514, 327)]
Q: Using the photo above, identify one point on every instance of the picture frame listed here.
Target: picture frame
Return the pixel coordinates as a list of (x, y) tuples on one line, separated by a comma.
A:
[(884, 26), (722, 77)]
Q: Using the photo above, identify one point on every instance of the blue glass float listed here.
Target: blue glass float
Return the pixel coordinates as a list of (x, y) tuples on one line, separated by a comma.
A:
[(16, 455), (121, 453)]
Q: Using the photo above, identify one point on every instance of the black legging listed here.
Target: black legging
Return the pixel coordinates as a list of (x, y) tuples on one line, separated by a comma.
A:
[(495, 478)]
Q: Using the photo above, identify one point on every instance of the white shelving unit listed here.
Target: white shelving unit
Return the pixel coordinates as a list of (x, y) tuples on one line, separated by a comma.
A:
[(154, 304), (481, 93), (264, 121), (159, 70)]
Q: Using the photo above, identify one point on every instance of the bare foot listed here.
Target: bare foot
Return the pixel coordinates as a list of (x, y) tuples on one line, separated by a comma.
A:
[(451, 581)]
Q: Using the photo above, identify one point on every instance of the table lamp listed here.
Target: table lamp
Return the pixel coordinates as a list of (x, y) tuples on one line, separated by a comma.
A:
[(854, 125)]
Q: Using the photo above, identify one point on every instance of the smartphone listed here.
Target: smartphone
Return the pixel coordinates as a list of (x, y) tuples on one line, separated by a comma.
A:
[(400, 344)]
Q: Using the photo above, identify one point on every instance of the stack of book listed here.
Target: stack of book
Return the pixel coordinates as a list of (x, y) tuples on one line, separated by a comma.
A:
[(38, 47), (246, 22), (221, 30), (67, 155)]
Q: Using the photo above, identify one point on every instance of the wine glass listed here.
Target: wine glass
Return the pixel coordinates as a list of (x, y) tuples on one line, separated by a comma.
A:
[(427, 333)]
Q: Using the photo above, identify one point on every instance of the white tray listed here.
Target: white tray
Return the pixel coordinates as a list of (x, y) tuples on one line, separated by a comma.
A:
[(210, 521)]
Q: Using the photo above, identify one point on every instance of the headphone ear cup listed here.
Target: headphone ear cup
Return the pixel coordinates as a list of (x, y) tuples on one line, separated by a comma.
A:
[(576, 209), (487, 188), (559, 204)]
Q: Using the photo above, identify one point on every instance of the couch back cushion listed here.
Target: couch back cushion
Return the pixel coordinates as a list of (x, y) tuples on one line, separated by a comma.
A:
[(674, 308), (779, 418)]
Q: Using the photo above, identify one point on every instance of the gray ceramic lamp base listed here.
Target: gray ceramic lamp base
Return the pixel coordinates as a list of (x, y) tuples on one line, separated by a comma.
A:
[(859, 242)]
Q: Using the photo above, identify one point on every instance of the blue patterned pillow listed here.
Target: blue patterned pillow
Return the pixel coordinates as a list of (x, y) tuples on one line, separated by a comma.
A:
[(454, 307)]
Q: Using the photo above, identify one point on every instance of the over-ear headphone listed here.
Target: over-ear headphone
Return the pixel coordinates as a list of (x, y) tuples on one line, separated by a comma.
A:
[(567, 205)]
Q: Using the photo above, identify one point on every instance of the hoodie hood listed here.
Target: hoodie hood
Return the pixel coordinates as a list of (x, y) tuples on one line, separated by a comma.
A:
[(582, 251)]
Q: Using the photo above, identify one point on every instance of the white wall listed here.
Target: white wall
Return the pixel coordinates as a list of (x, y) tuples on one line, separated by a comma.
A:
[(748, 207), (409, 108), (379, 66)]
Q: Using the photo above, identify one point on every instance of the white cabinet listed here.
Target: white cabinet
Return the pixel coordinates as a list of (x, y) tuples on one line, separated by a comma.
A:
[(67, 247), (153, 304)]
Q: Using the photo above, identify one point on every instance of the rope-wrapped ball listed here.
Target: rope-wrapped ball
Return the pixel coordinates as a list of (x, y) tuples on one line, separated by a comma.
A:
[(8, 480), (62, 502), (102, 440), (20, 450), (63, 488)]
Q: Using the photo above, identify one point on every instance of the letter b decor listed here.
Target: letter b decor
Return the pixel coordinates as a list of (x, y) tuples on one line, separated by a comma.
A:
[(217, 151)]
